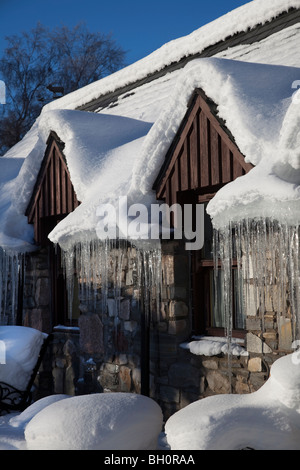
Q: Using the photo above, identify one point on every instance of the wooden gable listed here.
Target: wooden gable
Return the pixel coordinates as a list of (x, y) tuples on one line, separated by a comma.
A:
[(53, 196), (202, 158)]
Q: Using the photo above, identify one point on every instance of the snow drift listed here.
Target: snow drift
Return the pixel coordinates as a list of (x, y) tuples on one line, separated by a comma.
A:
[(20, 420), (107, 421), (268, 419)]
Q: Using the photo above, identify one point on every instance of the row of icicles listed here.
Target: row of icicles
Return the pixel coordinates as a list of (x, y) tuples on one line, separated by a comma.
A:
[(265, 254), (100, 268)]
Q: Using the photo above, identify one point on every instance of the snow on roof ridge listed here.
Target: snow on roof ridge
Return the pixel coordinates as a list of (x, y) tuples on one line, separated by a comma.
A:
[(249, 108), (245, 17), (252, 109)]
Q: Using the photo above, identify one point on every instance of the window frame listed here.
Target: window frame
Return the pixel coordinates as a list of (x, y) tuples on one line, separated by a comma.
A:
[(203, 297), (59, 294), (52, 199)]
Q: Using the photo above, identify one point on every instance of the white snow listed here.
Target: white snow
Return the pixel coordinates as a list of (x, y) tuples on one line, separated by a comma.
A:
[(253, 100), (272, 188), (15, 233), (119, 150), (268, 419), (88, 138), (94, 144), (21, 346), (238, 20), (90, 141), (107, 421), (276, 49), (111, 156), (12, 425), (20, 420), (214, 345)]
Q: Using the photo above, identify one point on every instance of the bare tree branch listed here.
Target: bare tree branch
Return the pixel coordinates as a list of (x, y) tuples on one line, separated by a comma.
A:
[(69, 58)]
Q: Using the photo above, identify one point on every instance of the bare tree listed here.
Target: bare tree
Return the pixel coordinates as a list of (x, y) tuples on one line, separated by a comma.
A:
[(40, 65), (84, 57)]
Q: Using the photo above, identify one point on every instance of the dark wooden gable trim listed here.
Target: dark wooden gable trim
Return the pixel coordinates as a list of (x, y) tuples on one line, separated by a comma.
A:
[(203, 156), (53, 195)]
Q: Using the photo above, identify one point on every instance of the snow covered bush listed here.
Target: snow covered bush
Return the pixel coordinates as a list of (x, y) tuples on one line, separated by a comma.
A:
[(22, 346), (268, 419), (20, 420), (110, 421)]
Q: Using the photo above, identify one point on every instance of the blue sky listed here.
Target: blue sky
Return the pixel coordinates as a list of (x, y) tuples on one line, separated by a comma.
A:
[(139, 27)]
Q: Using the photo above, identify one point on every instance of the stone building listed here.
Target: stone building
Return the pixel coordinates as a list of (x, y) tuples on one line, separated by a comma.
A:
[(192, 125)]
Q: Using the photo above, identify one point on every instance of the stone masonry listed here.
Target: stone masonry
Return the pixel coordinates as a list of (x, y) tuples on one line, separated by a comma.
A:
[(103, 354)]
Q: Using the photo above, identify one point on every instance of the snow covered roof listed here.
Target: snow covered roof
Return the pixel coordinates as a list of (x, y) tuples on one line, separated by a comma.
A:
[(239, 20), (119, 150)]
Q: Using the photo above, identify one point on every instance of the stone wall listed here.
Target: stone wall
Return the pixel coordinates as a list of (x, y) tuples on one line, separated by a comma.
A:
[(183, 377), (104, 353), (110, 330), (37, 292)]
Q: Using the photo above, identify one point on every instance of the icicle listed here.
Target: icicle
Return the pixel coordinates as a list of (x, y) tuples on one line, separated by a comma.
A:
[(267, 256), (99, 268), (216, 256), (11, 272), (293, 272), (224, 251)]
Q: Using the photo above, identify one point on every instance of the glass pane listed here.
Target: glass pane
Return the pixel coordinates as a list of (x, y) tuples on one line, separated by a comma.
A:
[(217, 307), (238, 301), (217, 299), (74, 312), (207, 250)]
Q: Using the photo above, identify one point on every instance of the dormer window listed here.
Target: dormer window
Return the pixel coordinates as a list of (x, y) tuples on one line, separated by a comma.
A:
[(202, 159), (52, 200)]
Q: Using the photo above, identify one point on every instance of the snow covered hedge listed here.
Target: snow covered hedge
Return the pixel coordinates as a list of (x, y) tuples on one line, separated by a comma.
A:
[(268, 419), (110, 421)]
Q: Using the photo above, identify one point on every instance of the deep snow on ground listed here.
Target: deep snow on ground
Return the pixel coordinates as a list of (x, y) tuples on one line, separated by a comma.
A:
[(101, 421), (268, 419)]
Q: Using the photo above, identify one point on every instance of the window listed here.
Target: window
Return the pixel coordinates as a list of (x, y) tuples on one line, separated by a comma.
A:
[(208, 290), (202, 158), (62, 314), (53, 198)]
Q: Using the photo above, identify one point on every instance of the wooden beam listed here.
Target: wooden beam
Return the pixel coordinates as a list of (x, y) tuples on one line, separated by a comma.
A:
[(53, 194), (206, 152)]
